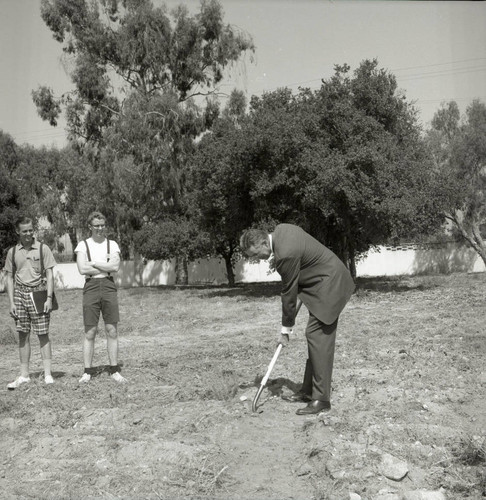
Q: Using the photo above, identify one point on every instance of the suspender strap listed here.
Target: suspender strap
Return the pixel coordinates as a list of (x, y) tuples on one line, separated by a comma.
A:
[(108, 251), (89, 257), (42, 259), (89, 254), (87, 250), (14, 267)]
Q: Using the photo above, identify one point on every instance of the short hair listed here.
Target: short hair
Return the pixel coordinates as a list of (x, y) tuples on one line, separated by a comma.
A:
[(252, 237), (95, 215), (23, 220)]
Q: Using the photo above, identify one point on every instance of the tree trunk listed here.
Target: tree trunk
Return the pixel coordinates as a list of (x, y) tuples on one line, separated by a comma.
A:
[(480, 246), (482, 253), (473, 237), (229, 270), (349, 256), (138, 269), (352, 266), (475, 240), (72, 233), (181, 272)]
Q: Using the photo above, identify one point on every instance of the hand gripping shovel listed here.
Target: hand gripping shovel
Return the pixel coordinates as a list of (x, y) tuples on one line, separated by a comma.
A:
[(270, 367)]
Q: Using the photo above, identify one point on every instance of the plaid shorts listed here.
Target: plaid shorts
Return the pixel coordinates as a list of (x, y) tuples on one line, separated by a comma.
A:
[(27, 316)]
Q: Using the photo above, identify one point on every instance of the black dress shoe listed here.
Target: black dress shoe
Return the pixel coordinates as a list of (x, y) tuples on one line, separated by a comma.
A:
[(314, 407), (299, 397)]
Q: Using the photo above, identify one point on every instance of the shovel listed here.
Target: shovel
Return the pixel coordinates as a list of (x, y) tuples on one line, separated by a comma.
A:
[(270, 366)]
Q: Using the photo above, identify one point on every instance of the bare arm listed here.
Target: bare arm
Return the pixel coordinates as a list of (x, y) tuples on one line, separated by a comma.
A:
[(111, 266), (85, 267), (50, 290), (10, 293)]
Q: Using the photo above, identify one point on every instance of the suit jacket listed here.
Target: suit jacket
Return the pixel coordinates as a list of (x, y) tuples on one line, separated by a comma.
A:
[(311, 271)]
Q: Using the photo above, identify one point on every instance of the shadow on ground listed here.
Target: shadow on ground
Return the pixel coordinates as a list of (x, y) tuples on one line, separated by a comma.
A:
[(272, 289), (395, 284), (379, 284), (276, 386)]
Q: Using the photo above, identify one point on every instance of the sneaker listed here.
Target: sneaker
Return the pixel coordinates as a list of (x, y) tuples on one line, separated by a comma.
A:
[(118, 378), (48, 379), (85, 378), (17, 382)]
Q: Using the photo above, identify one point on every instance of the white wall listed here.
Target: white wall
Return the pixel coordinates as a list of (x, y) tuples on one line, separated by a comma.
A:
[(386, 261), (411, 260)]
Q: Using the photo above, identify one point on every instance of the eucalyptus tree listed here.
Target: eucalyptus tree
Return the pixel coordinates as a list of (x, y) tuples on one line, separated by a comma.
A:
[(458, 147), (141, 78), (218, 184)]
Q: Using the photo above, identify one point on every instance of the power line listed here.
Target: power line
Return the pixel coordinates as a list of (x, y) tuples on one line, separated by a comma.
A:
[(52, 134), (447, 99), (31, 134), (50, 129), (440, 64), (460, 71), (451, 70)]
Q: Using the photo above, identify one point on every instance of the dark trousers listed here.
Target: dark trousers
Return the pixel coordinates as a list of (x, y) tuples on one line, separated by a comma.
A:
[(321, 339)]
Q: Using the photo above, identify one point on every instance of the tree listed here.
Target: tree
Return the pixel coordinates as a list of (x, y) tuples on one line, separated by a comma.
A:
[(378, 179), (175, 237), (9, 194), (145, 162), (137, 71), (47, 183), (218, 186), (57, 185), (345, 162), (458, 147)]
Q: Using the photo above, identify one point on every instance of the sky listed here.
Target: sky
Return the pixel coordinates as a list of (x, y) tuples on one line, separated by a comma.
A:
[(436, 49)]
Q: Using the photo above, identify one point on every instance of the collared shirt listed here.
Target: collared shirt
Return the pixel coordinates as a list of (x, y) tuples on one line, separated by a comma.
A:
[(28, 263)]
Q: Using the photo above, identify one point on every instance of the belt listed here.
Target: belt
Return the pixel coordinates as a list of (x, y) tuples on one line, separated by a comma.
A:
[(27, 288)]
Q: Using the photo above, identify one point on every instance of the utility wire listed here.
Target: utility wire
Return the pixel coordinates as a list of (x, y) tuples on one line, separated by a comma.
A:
[(445, 72)]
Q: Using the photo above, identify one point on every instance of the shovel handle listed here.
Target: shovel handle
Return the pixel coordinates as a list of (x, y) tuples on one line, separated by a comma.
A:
[(271, 365)]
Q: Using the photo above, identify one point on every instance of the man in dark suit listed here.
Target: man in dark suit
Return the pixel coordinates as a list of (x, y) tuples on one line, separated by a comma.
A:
[(319, 278)]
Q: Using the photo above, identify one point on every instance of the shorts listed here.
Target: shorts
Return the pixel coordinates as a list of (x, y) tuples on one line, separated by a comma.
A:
[(28, 318), (100, 295)]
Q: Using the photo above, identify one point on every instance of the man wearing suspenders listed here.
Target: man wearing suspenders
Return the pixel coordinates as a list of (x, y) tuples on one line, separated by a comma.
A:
[(29, 266), (97, 258)]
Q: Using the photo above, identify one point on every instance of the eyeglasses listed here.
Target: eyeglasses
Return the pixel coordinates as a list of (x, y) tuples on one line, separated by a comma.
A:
[(98, 226)]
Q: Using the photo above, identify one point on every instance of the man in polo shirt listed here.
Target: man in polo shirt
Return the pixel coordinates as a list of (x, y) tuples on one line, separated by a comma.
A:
[(97, 258), (24, 275)]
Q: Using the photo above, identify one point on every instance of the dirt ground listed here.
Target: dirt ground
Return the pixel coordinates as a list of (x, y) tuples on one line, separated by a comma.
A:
[(409, 381)]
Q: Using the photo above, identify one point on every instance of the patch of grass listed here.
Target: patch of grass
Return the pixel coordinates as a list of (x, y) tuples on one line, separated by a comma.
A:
[(8, 335), (223, 387), (208, 474), (470, 450)]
